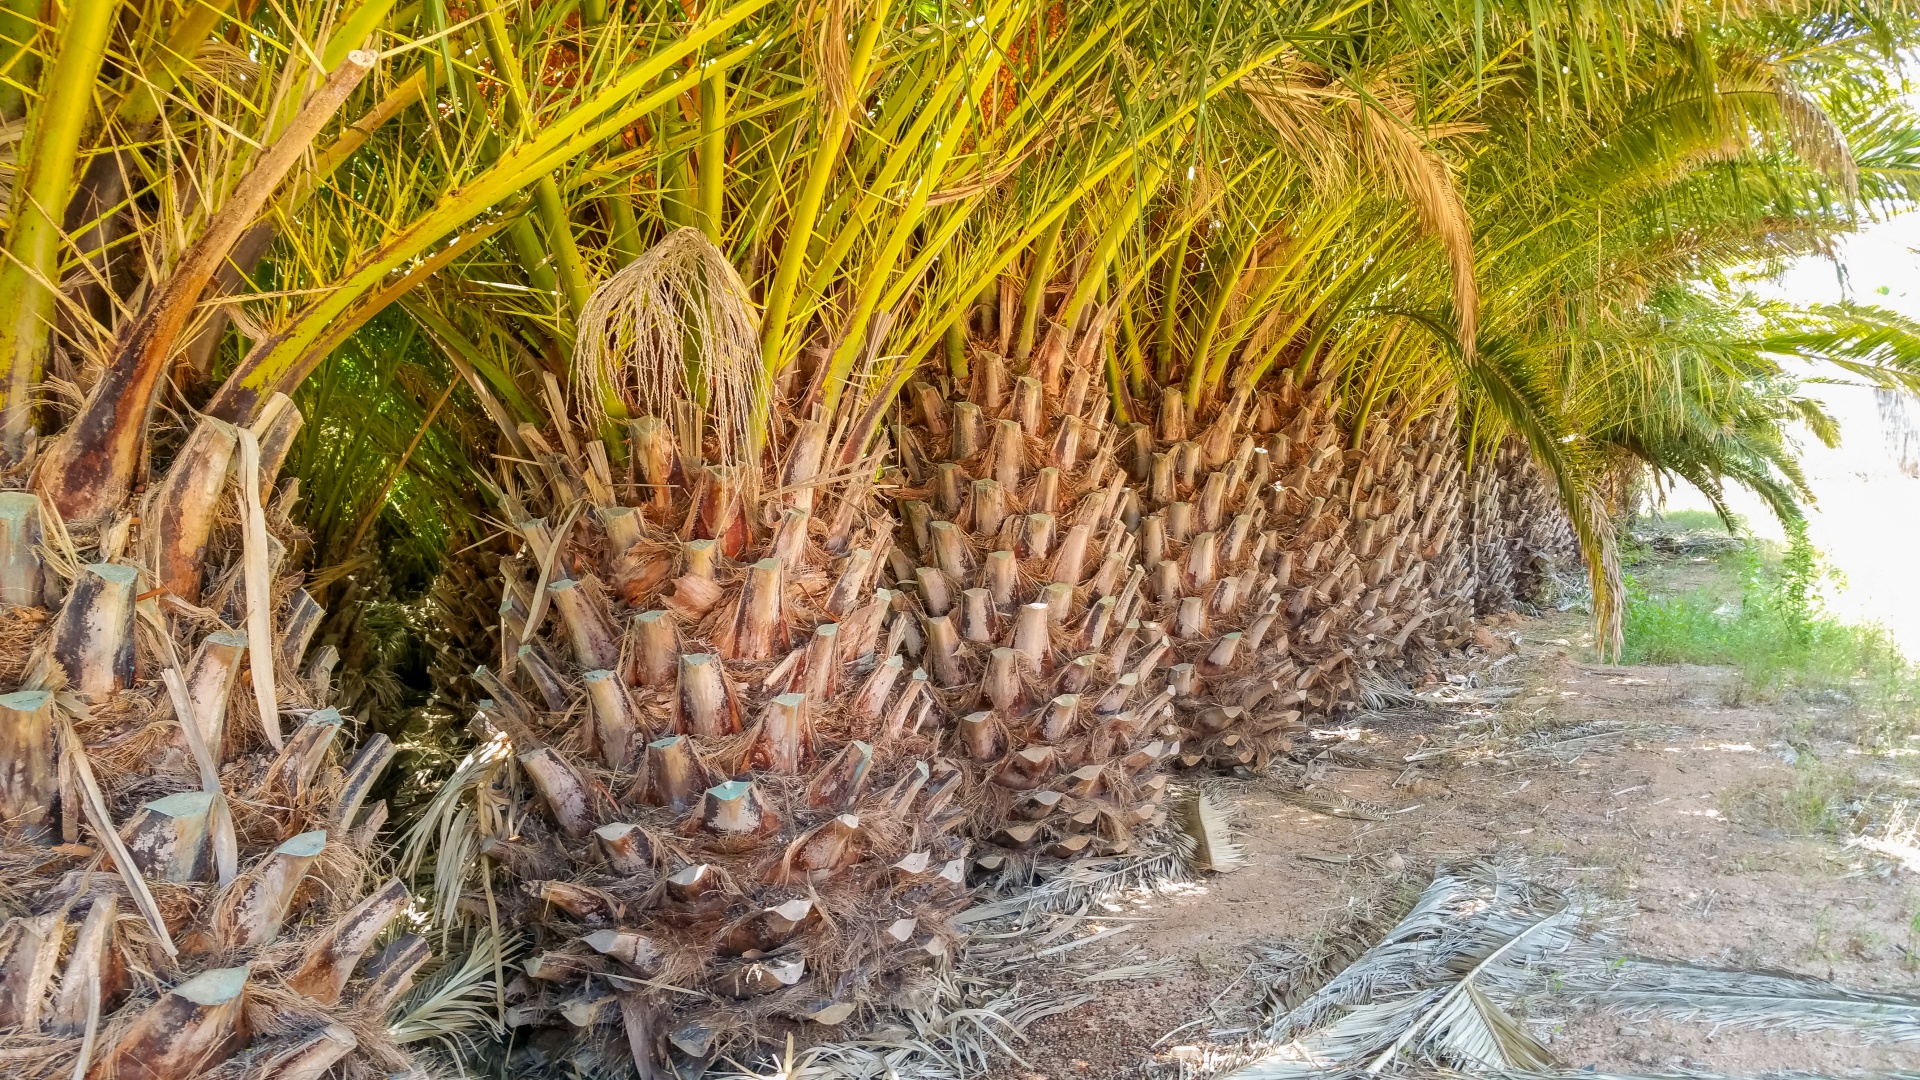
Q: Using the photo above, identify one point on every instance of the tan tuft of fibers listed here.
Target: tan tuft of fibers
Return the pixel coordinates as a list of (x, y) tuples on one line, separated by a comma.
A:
[(20, 630), (674, 334)]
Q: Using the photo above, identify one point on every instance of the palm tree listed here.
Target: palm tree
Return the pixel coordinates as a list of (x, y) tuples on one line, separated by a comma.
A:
[(1127, 385), (174, 156), (706, 761)]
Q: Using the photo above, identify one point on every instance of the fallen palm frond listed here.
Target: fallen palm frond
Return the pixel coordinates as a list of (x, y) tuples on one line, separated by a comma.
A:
[(1424, 993), (1568, 743), (1380, 690), (1898, 842), (1207, 822), (1150, 969), (1288, 973), (1469, 695), (1775, 1000), (1485, 945), (1077, 886), (1333, 804), (958, 1026)]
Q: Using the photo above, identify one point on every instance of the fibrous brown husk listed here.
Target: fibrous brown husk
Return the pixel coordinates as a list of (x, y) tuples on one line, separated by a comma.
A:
[(190, 812)]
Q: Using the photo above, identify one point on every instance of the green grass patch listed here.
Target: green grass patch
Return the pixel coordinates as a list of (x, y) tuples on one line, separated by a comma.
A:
[(1776, 634), (1820, 797)]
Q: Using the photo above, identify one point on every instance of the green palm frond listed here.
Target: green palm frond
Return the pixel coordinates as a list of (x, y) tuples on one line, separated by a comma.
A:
[(457, 1007), (1871, 342)]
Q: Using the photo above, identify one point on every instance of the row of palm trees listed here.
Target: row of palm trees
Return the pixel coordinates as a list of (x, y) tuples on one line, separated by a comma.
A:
[(1298, 186), (398, 252)]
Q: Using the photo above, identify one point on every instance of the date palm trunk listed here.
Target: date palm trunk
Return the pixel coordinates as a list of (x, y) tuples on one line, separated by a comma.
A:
[(718, 767), (179, 798), (189, 827), (1245, 565)]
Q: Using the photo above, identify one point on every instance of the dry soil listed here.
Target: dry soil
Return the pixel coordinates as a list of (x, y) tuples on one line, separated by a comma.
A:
[(1666, 788)]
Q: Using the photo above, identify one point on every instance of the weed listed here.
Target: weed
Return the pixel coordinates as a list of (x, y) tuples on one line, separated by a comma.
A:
[(1779, 639), (1623, 864), (1821, 946), (1818, 800), (1684, 521), (1865, 943)]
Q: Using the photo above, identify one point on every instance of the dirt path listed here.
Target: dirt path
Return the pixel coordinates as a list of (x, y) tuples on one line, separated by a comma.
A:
[(1656, 786)]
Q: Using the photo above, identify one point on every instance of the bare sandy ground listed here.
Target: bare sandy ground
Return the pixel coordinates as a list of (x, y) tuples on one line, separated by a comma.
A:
[(1659, 787)]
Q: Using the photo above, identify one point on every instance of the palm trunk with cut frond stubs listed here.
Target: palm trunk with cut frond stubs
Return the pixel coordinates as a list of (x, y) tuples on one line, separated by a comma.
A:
[(193, 861), (1243, 565), (716, 786), (746, 747), (1533, 527), (191, 834), (704, 766), (792, 636)]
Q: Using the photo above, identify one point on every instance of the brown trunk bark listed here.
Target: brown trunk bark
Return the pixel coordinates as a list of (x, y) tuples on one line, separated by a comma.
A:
[(22, 579), (90, 469), (262, 897), (311, 1057), (331, 957), (562, 788), (93, 635), (617, 728), (170, 837), (29, 779), (183, 509), (93, 972)]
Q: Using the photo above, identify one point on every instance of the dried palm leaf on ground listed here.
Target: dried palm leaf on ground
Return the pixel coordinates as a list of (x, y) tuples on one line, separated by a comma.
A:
[(1146, 969), (1332, 804), (1076, 887), (1729, 998), (947, 1027), (1379, 691), (1485, 945), (1470, 695), (1208, 823), (1427, 990)]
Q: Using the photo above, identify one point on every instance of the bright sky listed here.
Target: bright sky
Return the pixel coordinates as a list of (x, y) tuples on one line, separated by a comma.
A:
[(1867, 519)]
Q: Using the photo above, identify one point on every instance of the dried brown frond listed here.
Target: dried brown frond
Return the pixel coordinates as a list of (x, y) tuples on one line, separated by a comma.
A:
[(674, 335), (1342, 136), (20, 629)]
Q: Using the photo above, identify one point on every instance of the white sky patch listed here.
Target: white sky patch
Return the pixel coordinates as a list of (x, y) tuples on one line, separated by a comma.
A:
[(1868, 510)]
